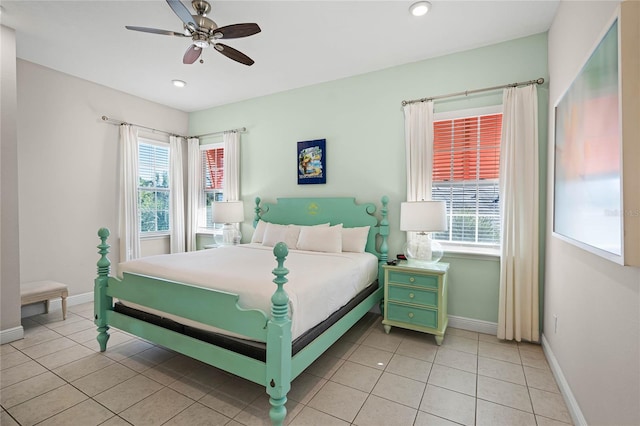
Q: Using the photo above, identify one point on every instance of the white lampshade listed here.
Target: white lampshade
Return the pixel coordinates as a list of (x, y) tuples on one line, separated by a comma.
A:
[(227, 212), (423, 216)]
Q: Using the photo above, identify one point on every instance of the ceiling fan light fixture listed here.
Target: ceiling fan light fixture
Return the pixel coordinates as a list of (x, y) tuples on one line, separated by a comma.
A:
[(420, 8), (179, 83), (202, 44)]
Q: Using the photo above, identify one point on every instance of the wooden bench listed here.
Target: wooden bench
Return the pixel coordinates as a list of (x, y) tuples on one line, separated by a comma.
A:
[(43, 291)]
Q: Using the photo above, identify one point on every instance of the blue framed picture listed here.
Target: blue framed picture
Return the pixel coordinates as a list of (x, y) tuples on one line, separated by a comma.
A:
[(312, 162)]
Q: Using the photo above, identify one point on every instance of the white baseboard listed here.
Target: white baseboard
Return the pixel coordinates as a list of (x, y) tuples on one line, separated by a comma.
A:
[(572, 404), (56, 304), (76, 299), (11, 335), (471, 324)]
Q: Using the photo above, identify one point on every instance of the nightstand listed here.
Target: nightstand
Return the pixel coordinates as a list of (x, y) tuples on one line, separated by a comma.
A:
[(415, 298)]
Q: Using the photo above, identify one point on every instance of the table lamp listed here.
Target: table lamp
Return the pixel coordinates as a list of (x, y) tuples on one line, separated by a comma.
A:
[(228, 213), (423, 217)]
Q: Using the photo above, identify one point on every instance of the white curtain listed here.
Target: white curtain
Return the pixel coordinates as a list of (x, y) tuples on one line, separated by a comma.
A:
[(231, 171), (128, 221), (518, 317), (418, 135), (195, 202), (176, 203)]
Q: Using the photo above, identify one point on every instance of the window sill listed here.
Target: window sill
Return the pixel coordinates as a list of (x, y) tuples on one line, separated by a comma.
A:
[(466, 252), (154, 236), (208, 232)]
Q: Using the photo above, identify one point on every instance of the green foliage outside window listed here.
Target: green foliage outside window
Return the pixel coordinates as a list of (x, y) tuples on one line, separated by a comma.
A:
[(153, 188)]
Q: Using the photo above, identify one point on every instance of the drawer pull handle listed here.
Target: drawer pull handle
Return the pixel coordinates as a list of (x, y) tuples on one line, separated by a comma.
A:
[(410, 314), (411, 279), (411, 295)]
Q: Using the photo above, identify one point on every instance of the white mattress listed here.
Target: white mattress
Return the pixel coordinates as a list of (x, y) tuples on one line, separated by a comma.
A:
[(319, 283)]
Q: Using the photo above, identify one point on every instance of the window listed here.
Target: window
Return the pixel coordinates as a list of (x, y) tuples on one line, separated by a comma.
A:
[(153, 187), (466, 167), (212, 177)]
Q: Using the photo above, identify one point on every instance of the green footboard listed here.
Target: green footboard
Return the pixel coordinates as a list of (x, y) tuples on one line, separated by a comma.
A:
[(211, 307)]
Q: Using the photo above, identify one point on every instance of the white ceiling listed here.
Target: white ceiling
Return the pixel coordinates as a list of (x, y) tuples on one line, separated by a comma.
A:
[(301, 43)]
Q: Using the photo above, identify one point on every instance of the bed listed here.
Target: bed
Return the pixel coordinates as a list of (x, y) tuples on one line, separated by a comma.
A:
[(267, 344)]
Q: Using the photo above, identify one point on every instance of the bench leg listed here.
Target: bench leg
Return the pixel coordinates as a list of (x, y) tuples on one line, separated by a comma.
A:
[(46, 306), (64, 307)]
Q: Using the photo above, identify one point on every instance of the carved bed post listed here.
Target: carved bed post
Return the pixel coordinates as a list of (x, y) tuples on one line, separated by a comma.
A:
[(279, 342), (257, 210), (384, 230), (101, 300), (384, 234)]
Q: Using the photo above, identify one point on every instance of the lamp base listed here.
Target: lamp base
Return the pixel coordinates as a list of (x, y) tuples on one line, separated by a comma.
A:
[(230, 236), (422, 250)]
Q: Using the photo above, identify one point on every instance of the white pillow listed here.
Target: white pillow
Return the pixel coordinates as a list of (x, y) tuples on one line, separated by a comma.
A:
[(275, 233), (258, 233), (321, 238), (355, 239)]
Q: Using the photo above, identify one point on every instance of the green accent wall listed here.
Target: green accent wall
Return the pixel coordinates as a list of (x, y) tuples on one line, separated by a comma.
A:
[(362, 120), (473, 286)]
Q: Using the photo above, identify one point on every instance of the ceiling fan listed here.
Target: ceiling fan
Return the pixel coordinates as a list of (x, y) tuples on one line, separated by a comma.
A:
[(204, 32)]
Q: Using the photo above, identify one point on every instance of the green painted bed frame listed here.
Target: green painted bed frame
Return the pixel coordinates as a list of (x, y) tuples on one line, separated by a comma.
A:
[(220, 309)]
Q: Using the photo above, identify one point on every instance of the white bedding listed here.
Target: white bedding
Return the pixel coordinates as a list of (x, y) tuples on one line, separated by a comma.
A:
[(319, 283)]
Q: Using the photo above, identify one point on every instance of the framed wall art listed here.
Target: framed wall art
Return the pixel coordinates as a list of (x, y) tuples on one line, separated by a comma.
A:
[(587, 197), (312, 162)]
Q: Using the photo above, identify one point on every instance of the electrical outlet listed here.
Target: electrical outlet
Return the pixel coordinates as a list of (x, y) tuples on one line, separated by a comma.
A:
[(555, 323)]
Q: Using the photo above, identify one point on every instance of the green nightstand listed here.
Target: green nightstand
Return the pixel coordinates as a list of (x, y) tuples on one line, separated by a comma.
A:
[(415, 298)]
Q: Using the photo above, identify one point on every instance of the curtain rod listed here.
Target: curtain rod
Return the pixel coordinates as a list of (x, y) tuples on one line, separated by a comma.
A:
[(238, 130), (119, 122), (468, 92)]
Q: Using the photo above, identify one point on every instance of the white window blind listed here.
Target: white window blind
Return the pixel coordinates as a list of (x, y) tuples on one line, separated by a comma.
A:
[(153, 187), (466, 167)]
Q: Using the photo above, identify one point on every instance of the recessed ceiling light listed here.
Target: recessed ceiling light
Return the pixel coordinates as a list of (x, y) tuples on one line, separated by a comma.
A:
[(179, 83), (420, 8)]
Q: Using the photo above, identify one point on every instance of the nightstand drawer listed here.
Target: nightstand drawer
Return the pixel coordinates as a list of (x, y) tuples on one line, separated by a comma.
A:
[(430, 281), (412, 315), (412, 295)]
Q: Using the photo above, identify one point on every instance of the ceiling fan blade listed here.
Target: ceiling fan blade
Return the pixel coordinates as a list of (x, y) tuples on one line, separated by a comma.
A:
[(234, 54), (183, 13), (236, 31), (192, 54), (154, 31)]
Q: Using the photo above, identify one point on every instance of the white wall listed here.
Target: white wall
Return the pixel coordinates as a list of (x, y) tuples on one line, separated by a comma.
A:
[(68, 170), (597, 302), (10, 328)]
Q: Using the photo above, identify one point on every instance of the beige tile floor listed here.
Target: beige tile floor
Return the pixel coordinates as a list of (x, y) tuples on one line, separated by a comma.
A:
[(57, 376)]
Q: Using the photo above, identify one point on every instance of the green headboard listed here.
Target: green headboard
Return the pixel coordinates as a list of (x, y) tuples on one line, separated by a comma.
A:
[(313, 211)]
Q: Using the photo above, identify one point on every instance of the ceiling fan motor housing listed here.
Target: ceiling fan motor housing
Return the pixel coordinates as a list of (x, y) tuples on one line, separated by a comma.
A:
[(205, 25)]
